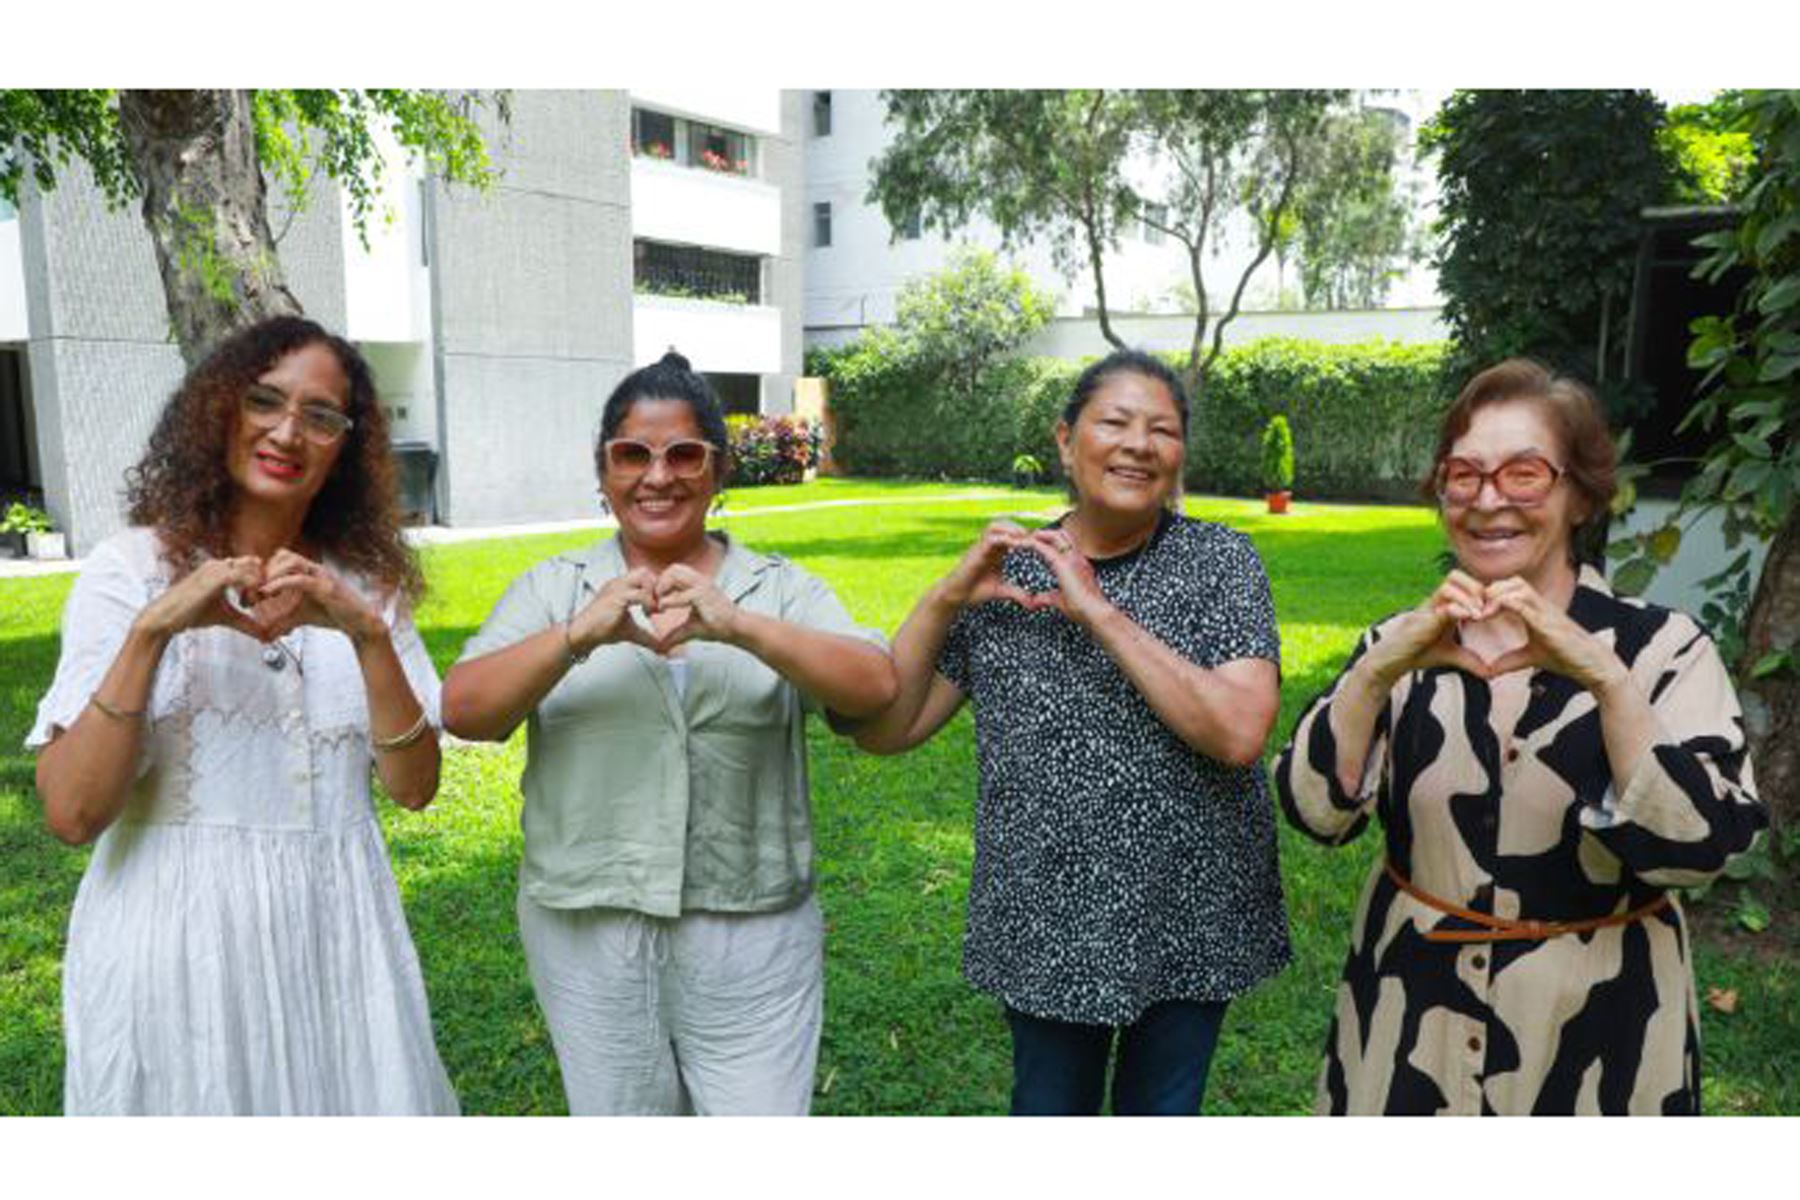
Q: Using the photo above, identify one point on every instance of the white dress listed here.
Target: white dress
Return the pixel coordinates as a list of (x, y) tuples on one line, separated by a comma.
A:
[(237, 944)]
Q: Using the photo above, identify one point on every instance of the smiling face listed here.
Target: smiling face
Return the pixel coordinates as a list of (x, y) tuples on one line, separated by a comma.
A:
[(658, 511), (1494, 537), (1124, 453), (280, 467)]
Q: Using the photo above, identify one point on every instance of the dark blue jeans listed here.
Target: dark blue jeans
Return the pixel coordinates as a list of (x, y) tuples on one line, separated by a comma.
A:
[(1059, 1067)]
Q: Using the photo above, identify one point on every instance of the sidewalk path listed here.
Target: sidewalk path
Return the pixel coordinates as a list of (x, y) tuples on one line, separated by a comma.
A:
[(438, 535)]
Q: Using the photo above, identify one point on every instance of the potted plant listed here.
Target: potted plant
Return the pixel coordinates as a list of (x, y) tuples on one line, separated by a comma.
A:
[(1026, 471), (1277, 463), (33, 524)]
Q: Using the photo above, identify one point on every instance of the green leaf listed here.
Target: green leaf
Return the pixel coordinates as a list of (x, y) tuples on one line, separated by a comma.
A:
[(1752, 914), (1777, 232), (1769, 664), (1784, 294), (1665, 542), (1624, 547), (1632, 578), (1778, 366)]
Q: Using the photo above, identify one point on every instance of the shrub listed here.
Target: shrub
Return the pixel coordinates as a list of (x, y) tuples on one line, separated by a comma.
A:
[(771, 449), (1277, 455), (1372, 413), (24, 518)]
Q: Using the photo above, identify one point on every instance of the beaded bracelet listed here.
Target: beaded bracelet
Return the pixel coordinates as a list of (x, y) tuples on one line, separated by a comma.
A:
[(401, 742)]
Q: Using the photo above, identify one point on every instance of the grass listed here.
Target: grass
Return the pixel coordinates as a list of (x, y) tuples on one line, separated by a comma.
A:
[(903, 1032)]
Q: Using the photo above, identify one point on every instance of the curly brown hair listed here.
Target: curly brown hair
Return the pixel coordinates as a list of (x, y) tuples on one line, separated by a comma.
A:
[(184, 490)]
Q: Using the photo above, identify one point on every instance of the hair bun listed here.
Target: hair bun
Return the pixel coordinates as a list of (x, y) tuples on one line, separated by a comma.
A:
[(674, 359)]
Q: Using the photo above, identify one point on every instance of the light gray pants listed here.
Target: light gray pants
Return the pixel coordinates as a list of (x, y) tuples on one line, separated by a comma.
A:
[(715, 1013)]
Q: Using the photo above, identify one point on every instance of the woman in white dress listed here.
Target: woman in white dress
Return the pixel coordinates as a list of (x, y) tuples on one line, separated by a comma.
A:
[(232, 665)]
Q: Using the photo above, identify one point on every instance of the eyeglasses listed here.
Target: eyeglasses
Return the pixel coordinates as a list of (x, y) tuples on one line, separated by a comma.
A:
[(320, 424), (686, 459), (1525, 480)]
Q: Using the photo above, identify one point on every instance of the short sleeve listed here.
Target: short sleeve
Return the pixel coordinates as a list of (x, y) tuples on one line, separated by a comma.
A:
[(415, 660), (953, 658), (811, 604), (523, 609), (1236, 618), (106, 598)]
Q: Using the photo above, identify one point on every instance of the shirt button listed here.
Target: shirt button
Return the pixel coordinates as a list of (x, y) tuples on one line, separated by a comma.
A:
[(1512, 754), (1475, 1043), (1479, 962)]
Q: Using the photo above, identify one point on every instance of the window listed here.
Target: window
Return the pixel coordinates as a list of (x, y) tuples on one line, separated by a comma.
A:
[(822, 225), (909, 228), (652, 134), (660, 269), (1160, 214), (716, 149), (737, 393), (821, 114)]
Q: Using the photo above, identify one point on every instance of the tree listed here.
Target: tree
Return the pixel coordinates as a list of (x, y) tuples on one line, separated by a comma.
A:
[(1750, 395), (1075, 167), (1540, 197), (961, 321), (198, 160), (1352, 224)]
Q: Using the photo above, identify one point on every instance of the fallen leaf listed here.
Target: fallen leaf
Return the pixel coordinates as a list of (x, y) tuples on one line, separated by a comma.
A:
[(1722, 999)]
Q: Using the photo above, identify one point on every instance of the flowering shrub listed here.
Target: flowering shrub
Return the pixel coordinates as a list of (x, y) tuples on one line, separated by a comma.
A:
[(772, 449), (653, 149)]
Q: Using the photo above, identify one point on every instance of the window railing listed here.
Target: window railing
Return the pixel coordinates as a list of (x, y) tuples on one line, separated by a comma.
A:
[(694, 273)]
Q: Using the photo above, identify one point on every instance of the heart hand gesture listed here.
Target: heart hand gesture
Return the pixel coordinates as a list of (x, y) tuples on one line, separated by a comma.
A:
[(201, 598), (1553, 641), (1077, 595), (296, 591), (1426, 636), (977, 577), (711, 616), (607, 617)]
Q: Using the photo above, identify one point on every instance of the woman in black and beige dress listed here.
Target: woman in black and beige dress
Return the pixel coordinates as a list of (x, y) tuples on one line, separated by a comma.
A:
[(1547, 760)]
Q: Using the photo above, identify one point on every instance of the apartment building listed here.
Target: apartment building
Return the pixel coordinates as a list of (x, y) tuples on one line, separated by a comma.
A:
[(496, 323)]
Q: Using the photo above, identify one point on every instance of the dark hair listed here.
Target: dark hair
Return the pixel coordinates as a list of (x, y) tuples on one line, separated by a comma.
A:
[(669, 378), (1589, 457), (1136, 362), (182, 487)]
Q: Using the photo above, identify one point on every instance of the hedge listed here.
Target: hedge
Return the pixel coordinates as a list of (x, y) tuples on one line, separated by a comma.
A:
[(1364, 417)]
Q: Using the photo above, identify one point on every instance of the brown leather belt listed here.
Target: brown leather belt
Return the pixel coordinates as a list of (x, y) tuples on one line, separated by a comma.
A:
[(1499, 929)]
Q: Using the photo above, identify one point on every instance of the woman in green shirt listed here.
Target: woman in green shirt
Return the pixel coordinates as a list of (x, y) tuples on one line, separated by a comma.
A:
[(663, 676)]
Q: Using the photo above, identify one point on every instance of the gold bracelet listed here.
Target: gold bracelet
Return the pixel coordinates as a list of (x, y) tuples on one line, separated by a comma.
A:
[(570, 658), (383, 745), (117, 714)]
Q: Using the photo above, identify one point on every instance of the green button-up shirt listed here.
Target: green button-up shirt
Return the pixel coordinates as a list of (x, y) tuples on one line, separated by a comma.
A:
[(640, 797)]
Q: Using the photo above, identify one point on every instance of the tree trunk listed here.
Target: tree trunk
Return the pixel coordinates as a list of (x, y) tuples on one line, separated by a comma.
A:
[(1773, 704), (194, 153)]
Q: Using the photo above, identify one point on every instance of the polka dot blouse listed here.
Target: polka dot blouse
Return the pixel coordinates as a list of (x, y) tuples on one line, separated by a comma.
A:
[(1115, 866)]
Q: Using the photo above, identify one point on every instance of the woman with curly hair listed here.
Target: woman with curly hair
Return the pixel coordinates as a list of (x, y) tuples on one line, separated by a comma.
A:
[(233, 665)]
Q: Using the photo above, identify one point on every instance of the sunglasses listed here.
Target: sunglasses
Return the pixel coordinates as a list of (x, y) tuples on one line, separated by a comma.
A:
[(320, 424), (1525, 480), (686, 459)]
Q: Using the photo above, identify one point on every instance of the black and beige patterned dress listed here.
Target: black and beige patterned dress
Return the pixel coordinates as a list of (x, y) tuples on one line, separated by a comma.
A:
[(1526, 825)]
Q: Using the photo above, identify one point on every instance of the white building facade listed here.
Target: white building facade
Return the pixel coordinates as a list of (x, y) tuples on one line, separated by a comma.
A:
[(496, 322)]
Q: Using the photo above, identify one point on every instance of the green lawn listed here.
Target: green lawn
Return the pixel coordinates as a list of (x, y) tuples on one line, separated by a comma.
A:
[(903, 1033)]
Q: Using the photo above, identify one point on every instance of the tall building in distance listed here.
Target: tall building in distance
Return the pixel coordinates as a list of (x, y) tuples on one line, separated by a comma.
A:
[(496, 322)]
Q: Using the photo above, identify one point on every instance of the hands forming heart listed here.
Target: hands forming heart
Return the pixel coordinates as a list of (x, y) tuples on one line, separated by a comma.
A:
[(1490, 630), (261, 600), (684, 602)]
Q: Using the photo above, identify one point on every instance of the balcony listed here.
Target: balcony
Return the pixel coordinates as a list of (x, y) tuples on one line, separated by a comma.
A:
[(714, 335), (673, 202)]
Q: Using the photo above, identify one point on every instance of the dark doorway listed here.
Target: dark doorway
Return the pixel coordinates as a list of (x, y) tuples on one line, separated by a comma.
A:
[(1666, 299), (19, 477), (737, 393)]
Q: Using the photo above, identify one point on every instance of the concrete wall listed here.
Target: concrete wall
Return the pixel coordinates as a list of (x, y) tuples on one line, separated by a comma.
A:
[(784, 165), (532, 305), (14, 325)]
